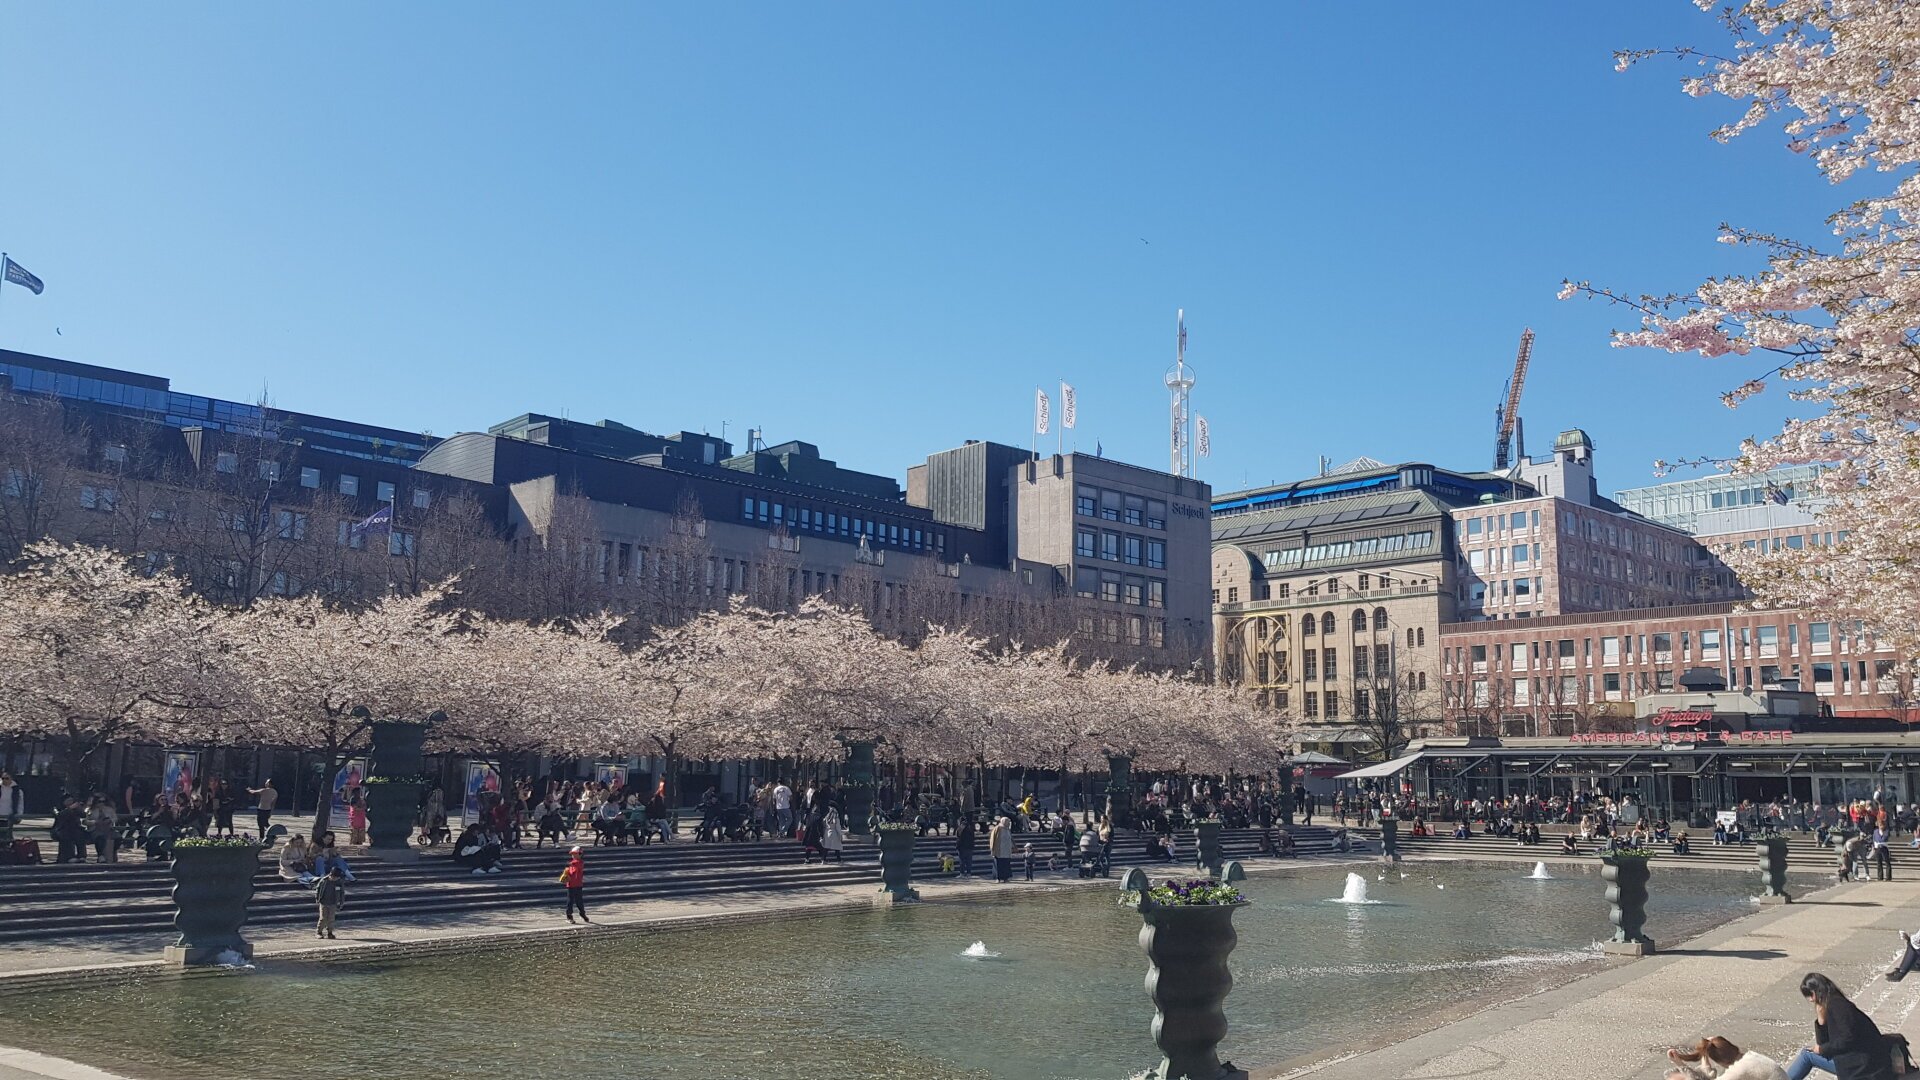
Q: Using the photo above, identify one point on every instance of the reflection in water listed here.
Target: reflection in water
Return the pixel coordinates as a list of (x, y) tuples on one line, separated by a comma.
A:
[(875, 995)]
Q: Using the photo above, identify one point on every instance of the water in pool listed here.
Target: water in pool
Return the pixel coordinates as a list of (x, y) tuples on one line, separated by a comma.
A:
[(1043, 984)]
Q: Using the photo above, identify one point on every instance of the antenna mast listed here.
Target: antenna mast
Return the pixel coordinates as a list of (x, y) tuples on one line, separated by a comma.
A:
[(1180, 382)]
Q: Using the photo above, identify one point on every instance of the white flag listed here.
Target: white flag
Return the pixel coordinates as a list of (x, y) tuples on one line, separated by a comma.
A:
[(1067, 412), (1042, 413), (1200, 441)]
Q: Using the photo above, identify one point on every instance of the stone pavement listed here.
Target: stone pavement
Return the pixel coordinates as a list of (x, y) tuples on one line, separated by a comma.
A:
[(1740, 981)]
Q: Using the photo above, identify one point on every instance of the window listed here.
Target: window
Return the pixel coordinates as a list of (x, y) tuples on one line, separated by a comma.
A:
[(1610, 650), (1156, 514), (1478, 653), (1157, 555), (1423, 636), (1110, 505), (290, 525), (1333, 704), (1360, 658), (1326, 623), (1133, 551), (269, 470), (1409, 637), (1083, 543), (1233, 594), (349, 485), (1473, 526), (1379, 618), (114, 452), (1086, 501), (347, 536), (422, 498), (103, 499), (1519, 554), (383, 491), (399, 543), (1283, 591), (1135, 592), (1136, 627), (1767, 637), (1359, 619), (1310, 704), (1330, 662), (1156, 593), (1820, 638), (1610, 682), (226, 462), (1110, 546), (1310, 665), (1086, 581), (1308, 623), (1361, 705), (1110, 587), (1382, 659), (1136, 510)]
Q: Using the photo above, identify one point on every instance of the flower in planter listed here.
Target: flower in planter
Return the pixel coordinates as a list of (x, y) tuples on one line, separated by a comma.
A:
[(1194, 892), (244, 840)]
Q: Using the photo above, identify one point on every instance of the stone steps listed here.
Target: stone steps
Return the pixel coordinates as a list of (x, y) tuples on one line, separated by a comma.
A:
[(92, 900)]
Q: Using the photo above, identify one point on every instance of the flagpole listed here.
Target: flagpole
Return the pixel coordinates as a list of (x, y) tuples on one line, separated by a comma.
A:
[(1060, 446)]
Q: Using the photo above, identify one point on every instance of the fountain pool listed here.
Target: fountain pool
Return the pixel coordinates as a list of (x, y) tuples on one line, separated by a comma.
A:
[(892, 993)]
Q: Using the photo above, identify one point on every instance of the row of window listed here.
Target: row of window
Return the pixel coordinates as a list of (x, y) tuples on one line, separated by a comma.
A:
[(1497, 524), (1094, 502), (226, 461), (1762, 641), (1347, 549), (1828, 678), (1131, 630), (1120, 588), (1120, 547), (807, 519)]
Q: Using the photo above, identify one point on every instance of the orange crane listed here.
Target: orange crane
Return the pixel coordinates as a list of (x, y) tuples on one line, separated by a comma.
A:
[(1507, 414)]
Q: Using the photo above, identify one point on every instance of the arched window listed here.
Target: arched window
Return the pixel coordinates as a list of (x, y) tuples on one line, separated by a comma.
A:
[(1307, 623), (1327, 623), (1359, 618), (1423, 637), (1379, 618), (1409, 637), (1423, 680)]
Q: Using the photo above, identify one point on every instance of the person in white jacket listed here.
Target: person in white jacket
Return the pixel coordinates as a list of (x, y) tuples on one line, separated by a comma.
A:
[(1716, 1057)]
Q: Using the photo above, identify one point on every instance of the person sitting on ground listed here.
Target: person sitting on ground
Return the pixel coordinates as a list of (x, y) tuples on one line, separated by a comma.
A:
[(1846, 1042), (1908, 959), (1716, 1057), (1680, 844), (1463, 831), (478, 849), (326, 856), (295, 862), (1420, 828), (1661, 830), (1569, 844)]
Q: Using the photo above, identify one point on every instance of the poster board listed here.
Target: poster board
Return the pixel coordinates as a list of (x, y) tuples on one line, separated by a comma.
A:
[(182, 772), (351, 774), (482, 777), (610, 774)]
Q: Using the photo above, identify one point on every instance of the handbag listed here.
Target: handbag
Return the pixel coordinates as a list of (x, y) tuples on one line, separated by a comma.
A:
[(562, 879)]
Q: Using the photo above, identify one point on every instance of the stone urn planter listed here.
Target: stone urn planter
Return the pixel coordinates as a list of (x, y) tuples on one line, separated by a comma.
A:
[(1770, 853), (1120, 790), (392, 806), (1186, 930), (896, 862), (1626, 878), (212, 883), (1207, 845), (858, 790)]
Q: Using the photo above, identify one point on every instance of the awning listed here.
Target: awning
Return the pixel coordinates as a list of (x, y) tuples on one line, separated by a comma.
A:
[(1314, 757), (1385, 768)]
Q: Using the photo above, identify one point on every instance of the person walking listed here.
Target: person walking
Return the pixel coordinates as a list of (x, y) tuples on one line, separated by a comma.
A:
[(783, 808), (965, 839), (1882, 854), (833, 838), (1000, 847), (357, 816), (329, 895), (1846, 1042), (265, 799), (223, 807), (574, 877)]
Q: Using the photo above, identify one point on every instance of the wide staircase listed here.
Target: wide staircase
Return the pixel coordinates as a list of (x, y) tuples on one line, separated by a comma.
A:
[(1804, 855), (130, 899)]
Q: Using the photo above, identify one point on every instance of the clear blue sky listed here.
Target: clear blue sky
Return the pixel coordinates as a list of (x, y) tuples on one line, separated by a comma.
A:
[(877, 226)]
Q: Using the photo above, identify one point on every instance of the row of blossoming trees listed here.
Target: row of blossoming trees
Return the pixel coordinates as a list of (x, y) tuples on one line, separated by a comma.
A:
[(93, 651)]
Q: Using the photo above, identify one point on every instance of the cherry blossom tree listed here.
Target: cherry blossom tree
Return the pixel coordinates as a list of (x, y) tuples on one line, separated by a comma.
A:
[(93, 652), (1839, 321)]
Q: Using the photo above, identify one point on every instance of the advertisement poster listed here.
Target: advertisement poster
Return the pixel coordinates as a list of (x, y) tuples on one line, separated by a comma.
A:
[(350, 775), (183, 772), (610, 775), (482, 778)]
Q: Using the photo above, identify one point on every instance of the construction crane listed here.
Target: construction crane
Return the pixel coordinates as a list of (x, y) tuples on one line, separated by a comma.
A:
[(1506, 415)]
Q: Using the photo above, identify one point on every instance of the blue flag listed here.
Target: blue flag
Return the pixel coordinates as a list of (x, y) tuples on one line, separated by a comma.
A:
[(379, 521), (19, 276)]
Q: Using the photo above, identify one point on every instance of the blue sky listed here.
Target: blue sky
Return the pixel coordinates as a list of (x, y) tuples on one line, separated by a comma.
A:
[(877, 226)]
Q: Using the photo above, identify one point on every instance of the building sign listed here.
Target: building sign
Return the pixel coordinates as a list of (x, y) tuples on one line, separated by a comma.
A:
[(1191, 511), (1682, 740), (1679, 718)]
